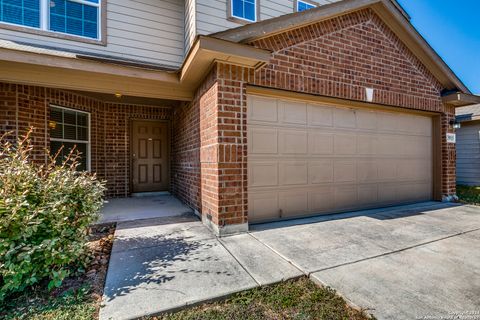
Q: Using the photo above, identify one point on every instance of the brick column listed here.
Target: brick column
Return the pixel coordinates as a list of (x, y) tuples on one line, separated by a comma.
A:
[(448, 157), (223, 148)]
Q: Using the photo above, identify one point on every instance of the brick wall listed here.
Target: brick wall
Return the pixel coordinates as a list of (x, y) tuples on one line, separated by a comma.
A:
[(24, 106), (337, 58)]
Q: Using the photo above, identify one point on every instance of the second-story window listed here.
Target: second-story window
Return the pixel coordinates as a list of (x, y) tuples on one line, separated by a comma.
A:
[(304, 5), (244, 9), (73, 17), (78, 17)]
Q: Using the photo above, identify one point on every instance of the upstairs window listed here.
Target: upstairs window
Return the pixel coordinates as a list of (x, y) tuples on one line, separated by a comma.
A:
[(304, 5), (77, 17), (244, 10), (72, 17)]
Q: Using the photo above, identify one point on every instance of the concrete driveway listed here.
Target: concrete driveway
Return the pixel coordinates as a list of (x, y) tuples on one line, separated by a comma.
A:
[(406, 262)]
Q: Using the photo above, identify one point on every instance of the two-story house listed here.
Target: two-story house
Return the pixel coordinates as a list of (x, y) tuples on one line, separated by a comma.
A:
[(246, 110)]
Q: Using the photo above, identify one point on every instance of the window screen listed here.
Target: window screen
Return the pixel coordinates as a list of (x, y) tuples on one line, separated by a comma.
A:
[(21, 12), (69, 128), (244, 9)]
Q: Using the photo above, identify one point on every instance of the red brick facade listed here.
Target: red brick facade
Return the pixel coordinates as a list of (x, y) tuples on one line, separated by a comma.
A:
[(23, 106), (336, 58)]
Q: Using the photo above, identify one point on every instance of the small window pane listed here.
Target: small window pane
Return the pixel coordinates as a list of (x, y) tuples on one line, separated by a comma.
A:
[(82, 134), (237, 7), (69, 117), (57, 23), (69, 132), (82, 119), (250, 11), (21, 12), (56, 130), (56, 114), (54, 147)]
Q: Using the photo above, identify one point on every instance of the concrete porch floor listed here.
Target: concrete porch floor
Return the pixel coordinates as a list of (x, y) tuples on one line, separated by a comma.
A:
[(143, 207), (402, 262)]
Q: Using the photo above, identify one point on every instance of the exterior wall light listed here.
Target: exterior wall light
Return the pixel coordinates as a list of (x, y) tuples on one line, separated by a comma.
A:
[(455, 125)]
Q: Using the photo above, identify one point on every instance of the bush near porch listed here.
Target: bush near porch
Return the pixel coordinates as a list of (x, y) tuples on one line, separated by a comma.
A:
[(469, 194), (45, 213)]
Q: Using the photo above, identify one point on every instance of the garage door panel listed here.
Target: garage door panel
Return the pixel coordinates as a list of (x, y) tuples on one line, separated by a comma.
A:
[(388, 122), (263, 206), (320, 143), (307, 159), (367, 194), (293, 112), (344, 144), (293, 203), (366, 120), (344, 118), (344, 171), (293, 141), (345, 197), (366, 144), (293, 173), (320, 171), (367, 171), (262, 109), (321, 199), (388, 145), (320, 116), (263, 174), (387, 193), (262, 141), (387, 169)]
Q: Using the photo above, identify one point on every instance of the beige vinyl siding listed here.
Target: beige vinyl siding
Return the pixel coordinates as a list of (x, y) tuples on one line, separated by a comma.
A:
[(212, 14), (149, 31), (468, 153)]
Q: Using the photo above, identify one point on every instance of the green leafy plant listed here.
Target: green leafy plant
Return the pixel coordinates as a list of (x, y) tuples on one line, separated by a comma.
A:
[(45, 214)]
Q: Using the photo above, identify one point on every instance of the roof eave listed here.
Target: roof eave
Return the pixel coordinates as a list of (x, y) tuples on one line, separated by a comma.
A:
[(460, 99)]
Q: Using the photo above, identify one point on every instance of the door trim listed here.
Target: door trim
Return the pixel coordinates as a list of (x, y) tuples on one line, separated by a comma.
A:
[(130, 148)]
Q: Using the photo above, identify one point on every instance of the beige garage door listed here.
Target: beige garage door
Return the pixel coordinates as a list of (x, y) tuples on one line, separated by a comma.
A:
[(306, 159)]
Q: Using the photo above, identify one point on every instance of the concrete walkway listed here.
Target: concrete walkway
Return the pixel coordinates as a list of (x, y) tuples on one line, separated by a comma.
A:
[(400, 263), (142, 207)]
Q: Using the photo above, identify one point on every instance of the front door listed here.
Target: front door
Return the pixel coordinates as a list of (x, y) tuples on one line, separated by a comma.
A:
[(150, 165)]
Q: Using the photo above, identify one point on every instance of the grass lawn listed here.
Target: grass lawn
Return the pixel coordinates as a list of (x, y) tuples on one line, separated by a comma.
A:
[(468, 194), (295, 299)]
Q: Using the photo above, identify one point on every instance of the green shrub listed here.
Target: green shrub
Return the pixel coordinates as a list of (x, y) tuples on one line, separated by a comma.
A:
[(45, 214)]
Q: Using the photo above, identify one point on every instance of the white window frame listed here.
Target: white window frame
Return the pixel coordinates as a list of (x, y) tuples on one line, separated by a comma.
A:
[(45, 20), (255, 4), (311, 3), (88, 142)]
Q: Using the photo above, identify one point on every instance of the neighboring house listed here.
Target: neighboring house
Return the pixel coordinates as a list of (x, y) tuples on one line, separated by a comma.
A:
[(468, 145), (246, 110)]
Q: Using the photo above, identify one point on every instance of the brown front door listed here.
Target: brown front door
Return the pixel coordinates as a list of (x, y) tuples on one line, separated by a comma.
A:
[(150, 165)]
